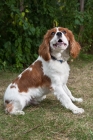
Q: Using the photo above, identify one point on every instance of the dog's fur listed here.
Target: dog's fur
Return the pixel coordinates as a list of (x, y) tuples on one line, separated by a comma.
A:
[(49, 73)]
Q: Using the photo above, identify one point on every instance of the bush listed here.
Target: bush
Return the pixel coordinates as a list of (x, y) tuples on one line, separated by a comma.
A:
[(22, 31), (23, 24)]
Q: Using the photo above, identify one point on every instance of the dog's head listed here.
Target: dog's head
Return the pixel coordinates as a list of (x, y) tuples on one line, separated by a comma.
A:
[(58, 39)]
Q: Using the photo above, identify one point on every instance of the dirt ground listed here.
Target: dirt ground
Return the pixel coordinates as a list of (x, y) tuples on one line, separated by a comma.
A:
[(81, 79)]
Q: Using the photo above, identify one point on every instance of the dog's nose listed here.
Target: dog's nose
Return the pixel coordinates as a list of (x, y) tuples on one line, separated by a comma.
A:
[(59, 34)]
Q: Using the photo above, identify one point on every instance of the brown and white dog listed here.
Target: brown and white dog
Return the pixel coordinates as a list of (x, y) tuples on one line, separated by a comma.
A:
[(49, 73)]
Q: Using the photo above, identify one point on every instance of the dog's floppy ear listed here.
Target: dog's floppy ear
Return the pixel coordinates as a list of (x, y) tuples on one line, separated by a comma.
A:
[(44, 49), (74, 46)]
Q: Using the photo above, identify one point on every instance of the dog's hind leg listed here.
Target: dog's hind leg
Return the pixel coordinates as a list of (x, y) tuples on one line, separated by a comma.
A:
[(14, 108), (41, 98)]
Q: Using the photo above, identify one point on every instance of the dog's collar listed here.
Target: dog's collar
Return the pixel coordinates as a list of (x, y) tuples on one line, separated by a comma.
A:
[(61, 61)]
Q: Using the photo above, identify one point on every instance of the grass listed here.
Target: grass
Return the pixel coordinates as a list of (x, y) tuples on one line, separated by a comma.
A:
[(49, 120)]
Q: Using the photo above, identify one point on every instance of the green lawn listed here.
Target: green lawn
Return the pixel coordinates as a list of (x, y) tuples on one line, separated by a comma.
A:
[(49, 120)]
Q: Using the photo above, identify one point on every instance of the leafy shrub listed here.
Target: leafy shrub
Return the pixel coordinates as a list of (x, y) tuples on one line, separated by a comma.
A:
[(23, 31), (23, 24), (81, 23)]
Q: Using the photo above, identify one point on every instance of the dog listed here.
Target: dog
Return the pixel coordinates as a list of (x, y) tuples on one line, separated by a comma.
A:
[(49, 73)]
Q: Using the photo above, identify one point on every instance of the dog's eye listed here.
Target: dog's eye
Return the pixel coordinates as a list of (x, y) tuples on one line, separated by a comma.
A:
[(64, 32), (53, 33)]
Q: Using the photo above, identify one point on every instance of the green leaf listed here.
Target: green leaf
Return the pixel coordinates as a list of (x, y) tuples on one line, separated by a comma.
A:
[(77, 22)]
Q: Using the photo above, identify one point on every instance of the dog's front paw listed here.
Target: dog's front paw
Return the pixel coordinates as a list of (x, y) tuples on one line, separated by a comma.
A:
[(79, 100), (19, 112), (78, 111)]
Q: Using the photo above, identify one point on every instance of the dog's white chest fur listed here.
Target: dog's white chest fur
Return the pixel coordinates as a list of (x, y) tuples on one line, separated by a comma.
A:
[(57, 71)]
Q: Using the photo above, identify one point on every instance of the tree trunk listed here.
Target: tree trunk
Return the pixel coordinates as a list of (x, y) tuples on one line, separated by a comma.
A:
[(82, 5), (81, 10), (21, 5)]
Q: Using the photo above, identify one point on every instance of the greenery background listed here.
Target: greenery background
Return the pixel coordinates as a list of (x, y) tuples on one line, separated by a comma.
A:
[(24, 22), (22, 26)]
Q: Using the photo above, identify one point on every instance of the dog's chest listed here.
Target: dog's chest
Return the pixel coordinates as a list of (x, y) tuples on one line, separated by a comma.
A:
[(58, 72)]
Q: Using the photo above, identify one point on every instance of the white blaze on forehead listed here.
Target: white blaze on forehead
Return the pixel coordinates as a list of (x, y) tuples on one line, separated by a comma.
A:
[(57, 29), (55, 38)]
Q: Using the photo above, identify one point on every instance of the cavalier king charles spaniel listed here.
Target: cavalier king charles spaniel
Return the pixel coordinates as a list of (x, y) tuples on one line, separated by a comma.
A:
[(48, 74)]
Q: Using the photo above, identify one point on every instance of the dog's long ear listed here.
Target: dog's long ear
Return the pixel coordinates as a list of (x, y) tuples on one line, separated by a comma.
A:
[(74, 46), (44, 49)]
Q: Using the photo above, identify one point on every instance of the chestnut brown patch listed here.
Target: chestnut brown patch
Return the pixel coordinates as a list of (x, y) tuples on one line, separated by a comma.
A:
[(44, 49), (33, 78)]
